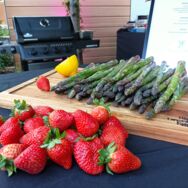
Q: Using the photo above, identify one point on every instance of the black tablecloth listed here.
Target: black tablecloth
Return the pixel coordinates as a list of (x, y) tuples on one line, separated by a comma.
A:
[(165, 165)]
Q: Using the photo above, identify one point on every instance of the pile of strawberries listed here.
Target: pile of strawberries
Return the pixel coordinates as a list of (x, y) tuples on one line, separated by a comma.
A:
[(34, 135)]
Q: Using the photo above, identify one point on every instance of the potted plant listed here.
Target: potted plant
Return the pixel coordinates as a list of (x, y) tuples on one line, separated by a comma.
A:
[(6, 63)]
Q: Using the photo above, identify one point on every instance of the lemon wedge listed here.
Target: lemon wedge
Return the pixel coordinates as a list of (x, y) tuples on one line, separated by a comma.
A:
[(68, 67)]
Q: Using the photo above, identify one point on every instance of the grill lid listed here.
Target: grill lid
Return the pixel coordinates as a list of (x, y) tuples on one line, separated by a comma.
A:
[(29, 29)]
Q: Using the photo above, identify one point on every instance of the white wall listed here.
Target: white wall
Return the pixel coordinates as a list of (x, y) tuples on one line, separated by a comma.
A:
[(139, 7)]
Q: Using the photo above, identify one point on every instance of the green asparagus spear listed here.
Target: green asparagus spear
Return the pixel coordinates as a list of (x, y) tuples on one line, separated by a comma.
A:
[(181, 90), (133, 106), (138, 97), (137, 66), (151, 76), (97, 76), (78, 87), (159, 77), (138, 82), (142, 108), (90, 100), (118, 96), (132, 62), (109, 94), (180, 70), (121, 88), (91, 85), (122, 98), (139, 93), (104, 81), (150, 114), (163, 86), (168, 74), (130, 77), (146, 93), (115, 89), (129, 100), (87, 72), (65, 87), (71, 93), (107, 86)]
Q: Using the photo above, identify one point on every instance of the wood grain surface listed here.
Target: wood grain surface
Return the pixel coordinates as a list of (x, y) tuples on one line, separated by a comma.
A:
[(170, 126)]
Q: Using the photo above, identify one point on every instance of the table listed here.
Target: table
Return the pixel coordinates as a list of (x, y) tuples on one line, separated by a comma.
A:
[(165, 165)]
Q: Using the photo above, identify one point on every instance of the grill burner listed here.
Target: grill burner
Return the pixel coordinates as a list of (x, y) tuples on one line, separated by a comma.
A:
[(41, 40)]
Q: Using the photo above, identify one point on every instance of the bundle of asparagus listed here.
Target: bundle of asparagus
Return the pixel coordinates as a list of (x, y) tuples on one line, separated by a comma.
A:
[(135, 83)]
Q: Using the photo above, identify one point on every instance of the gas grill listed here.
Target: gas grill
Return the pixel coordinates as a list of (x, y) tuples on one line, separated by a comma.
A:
[(45, 41)]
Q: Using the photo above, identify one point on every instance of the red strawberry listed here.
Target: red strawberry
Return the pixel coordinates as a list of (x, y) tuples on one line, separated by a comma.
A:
[(71, 135), (43, 110), (32, 160), (85, 123), (1, 120), (101, 114), (11, 135), (43, 83), (11, 122), (36, 136), (119, 159), (61, 119), (113, 131), (22, 111), (87, 156), (59, 149), (11, 151), (7, 154), (33, 123)]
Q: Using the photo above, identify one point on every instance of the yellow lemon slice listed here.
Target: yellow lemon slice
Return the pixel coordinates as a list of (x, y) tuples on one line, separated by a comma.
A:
[(68, 67)]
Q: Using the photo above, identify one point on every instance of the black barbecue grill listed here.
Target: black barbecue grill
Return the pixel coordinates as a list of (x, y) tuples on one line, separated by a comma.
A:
[(44, 41)]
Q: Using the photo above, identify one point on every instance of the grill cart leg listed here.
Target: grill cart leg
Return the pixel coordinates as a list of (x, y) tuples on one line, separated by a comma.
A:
[(24, 65)]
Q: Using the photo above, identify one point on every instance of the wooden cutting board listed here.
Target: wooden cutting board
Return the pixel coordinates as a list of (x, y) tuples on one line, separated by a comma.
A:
[(169, 126)]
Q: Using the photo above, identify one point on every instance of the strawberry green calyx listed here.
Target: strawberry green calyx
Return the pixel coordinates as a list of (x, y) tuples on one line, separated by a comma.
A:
[(7, 164), (87, 139), (54, 137), (2, 120), (101, 102), (46, 120), (105, 156), (20, 105)]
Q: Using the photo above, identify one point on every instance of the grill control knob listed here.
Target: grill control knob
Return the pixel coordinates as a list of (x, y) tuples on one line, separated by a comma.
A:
[(33, 52), (13, 49), (46, 51), (57, 50)]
